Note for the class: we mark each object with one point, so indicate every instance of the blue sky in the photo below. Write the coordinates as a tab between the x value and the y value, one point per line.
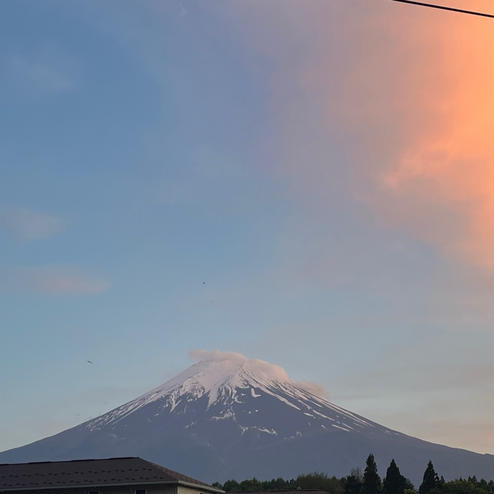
179	175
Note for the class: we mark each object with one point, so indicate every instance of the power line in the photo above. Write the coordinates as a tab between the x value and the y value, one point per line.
443	7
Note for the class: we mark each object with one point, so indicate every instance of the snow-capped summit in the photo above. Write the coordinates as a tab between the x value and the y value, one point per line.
221	373
228	416
218	376
225	385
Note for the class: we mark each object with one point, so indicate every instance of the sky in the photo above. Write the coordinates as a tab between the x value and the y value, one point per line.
305	183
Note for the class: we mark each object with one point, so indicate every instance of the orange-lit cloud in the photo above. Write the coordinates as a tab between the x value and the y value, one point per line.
439	181
424	106
410	89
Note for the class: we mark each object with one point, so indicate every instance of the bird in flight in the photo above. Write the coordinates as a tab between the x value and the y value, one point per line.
89	362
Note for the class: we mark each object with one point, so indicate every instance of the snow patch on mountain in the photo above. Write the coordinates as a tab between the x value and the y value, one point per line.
225	380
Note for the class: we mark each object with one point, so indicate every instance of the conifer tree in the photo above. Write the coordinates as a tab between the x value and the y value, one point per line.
394	482
353	483
372	481
430	481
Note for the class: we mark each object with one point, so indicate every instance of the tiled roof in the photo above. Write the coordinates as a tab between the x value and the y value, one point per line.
84	473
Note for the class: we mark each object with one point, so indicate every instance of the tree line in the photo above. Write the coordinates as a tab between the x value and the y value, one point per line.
367	483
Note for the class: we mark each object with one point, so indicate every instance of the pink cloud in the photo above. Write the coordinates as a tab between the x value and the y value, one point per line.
51	280
28	224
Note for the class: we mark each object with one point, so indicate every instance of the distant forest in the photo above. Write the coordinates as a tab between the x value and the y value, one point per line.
368	482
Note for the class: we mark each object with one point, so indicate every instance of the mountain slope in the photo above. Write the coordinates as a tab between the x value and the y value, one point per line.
231	417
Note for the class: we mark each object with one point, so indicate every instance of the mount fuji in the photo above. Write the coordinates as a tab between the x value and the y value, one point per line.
228	416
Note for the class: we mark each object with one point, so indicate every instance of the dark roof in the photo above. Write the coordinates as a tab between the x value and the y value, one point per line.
86	473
